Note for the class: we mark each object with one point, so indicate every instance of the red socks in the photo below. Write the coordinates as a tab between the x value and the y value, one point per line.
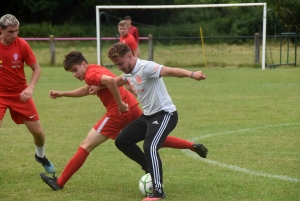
177	143
74	164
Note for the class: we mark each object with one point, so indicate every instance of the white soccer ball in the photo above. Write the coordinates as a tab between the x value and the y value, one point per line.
145	185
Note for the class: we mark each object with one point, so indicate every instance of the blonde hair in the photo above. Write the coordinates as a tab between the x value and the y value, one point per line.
118	50
8	20
123	23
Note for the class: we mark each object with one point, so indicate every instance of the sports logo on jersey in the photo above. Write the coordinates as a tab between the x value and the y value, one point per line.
155	68
15	56
138	79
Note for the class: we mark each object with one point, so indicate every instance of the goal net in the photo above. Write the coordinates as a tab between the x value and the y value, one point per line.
202	35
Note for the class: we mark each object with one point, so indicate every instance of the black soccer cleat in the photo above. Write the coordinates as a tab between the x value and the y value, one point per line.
200	149
52	182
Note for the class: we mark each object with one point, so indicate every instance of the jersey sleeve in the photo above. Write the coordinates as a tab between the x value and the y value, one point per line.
28	55
136	35
152	70
132	44
93	78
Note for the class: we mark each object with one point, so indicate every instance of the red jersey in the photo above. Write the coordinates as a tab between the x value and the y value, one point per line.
12	58
130	41
134	32
93	76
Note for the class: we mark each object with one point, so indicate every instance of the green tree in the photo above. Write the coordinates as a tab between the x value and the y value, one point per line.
288	12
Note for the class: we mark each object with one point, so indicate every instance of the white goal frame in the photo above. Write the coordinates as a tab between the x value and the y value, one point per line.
264	5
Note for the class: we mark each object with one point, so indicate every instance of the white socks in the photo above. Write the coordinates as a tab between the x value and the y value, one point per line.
40	151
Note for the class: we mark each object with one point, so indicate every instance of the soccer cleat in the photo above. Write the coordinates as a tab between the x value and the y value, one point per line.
52	182
49	167
200	149
155	196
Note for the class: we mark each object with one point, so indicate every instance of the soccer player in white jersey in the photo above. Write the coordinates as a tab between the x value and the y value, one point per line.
159	113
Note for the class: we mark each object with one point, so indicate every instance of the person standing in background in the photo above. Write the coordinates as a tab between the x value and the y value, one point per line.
127	38
132	29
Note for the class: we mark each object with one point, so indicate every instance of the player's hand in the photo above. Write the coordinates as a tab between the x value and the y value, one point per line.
55	94
198	75
123	107
94	89
26	94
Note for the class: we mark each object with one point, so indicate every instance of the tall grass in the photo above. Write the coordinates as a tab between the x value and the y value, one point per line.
248	118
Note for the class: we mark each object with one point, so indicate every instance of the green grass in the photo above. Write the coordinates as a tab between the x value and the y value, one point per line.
248	118
185	55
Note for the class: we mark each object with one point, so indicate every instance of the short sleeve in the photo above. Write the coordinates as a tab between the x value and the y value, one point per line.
152	70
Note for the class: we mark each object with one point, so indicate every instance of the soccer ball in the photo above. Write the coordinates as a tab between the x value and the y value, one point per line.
145	185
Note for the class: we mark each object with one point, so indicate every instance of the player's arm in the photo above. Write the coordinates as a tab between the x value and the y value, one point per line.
80	92
112	86
119	81
136	52
36	72
180	73
136	36
129	88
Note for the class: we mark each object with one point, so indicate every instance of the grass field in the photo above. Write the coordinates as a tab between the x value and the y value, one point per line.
248	118
185	55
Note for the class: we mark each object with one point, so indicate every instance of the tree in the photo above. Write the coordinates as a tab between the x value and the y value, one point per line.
288	13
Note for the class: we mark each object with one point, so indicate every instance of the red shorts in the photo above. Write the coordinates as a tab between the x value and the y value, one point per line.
112	123
19	111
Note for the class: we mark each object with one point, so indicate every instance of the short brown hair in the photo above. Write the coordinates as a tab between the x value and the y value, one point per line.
127	17
123	23
73	58
118	50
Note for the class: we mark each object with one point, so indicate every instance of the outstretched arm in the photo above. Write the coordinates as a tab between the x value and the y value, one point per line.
180	73
82	91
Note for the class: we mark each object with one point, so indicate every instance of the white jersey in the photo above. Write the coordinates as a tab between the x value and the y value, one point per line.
150	88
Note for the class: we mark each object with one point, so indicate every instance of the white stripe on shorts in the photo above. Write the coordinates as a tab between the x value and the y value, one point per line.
102	124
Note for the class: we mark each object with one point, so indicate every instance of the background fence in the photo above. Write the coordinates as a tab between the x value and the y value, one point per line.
218	51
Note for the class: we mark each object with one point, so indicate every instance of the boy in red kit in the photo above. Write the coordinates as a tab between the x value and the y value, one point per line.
15	94
127	38
116	100
132	29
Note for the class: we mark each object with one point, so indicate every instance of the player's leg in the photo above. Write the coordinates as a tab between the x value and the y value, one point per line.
35	128
3	108
156	135
92	140
127	139
26	113
107	127
178	143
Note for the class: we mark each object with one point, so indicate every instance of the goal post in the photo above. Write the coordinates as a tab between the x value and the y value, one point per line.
100	8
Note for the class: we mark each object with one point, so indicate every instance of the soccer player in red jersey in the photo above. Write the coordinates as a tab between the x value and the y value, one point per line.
116	100
15	93
132	29
127	38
